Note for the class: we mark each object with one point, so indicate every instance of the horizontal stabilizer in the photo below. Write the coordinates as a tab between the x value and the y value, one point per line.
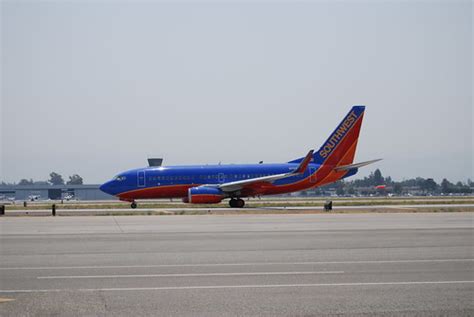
356	165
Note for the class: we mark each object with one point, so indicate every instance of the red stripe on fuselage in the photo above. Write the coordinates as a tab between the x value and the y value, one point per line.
166	191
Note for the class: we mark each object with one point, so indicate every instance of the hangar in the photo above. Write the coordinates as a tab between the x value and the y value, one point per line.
54	192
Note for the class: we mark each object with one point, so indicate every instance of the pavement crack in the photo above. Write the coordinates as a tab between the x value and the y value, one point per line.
103	300
118	225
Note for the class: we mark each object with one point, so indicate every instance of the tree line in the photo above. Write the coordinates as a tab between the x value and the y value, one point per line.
54	179
426	185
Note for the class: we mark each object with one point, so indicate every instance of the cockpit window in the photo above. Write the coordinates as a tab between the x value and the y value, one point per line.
119	178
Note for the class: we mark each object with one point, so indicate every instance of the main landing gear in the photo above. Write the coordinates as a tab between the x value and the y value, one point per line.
236	203
133	205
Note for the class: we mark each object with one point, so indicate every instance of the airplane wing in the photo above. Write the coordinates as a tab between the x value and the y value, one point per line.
357	165
237	185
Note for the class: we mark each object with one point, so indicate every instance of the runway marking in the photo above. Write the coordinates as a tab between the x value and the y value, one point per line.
187	275
168	288
233	264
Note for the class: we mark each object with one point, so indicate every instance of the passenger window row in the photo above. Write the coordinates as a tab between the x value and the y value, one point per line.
204	177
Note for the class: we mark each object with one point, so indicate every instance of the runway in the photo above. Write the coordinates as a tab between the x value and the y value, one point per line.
227	210
225	265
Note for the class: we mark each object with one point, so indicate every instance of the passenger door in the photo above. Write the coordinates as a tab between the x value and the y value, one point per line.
141	178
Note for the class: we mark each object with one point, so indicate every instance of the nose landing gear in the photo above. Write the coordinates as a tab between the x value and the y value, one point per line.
236	203
133	205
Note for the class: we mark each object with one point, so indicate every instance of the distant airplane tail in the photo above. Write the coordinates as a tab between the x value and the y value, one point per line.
340	147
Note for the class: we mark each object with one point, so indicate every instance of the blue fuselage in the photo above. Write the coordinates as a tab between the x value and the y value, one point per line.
174	181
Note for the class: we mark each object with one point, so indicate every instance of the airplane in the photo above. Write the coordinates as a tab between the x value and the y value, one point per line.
68	197
210	184
34	197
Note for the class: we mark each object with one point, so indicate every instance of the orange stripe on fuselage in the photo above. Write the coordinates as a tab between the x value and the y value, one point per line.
334	176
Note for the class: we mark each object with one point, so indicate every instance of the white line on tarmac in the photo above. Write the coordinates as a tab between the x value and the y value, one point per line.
186	275
233	264
166	288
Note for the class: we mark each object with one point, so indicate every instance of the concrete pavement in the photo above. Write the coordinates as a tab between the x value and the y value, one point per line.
260	265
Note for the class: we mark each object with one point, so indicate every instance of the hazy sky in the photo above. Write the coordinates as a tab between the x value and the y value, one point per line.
95	87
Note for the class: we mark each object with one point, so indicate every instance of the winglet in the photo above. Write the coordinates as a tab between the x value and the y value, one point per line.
304	163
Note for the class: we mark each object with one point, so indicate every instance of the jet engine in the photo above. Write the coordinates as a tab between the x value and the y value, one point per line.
204	195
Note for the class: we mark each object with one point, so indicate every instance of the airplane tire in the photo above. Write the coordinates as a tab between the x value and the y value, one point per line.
236	203
133	205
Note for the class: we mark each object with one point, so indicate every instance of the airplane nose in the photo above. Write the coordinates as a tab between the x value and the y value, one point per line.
105	187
